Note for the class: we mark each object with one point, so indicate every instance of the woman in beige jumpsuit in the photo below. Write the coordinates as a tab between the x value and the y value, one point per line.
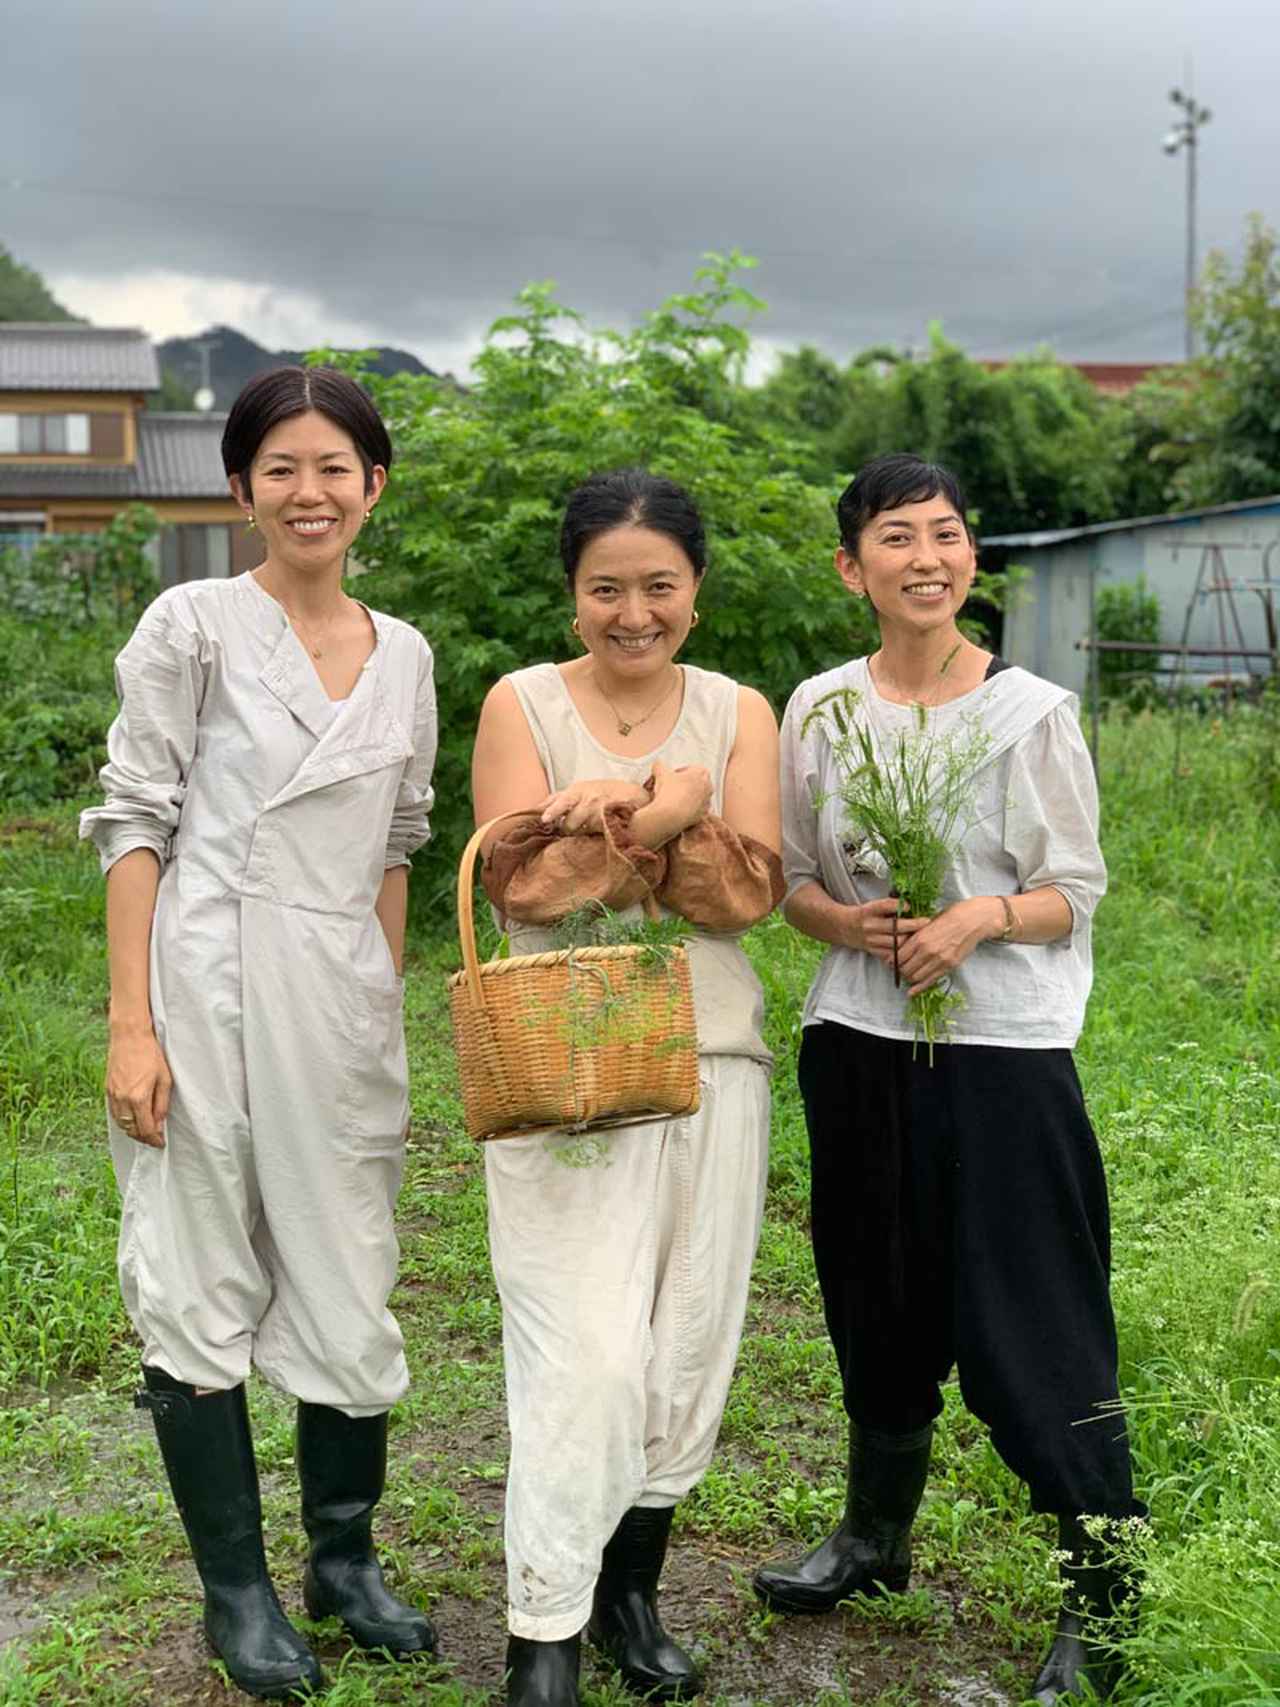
268	779
624	1281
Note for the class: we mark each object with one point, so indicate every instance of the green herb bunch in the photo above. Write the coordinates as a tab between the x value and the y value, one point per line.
911	798
593	925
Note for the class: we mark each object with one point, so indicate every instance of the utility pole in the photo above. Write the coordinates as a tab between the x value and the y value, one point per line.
1184	136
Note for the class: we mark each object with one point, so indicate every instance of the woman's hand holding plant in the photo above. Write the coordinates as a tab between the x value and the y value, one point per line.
929	950
869	927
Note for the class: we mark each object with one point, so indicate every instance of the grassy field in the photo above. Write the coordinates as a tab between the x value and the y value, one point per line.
1181	1062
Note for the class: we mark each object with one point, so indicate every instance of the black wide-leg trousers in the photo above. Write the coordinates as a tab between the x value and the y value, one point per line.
960	1218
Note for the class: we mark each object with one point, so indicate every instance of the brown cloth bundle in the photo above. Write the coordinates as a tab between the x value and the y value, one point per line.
709	874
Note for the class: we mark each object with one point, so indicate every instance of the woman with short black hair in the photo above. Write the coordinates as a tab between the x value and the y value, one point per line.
959	1202
268	779
623	1272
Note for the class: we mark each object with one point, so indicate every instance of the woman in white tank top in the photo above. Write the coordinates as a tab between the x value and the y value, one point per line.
624	1282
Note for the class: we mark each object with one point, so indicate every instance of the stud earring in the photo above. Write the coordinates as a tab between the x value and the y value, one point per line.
695	619
576	628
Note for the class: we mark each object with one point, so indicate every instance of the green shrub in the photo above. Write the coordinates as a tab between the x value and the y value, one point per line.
1127	610
56	702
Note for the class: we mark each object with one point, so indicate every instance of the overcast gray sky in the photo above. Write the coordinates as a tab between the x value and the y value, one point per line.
393	170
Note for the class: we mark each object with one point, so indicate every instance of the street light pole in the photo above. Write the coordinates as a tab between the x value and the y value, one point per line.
1184	136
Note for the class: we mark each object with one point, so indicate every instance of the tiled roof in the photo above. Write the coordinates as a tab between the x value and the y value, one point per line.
179	456
56	357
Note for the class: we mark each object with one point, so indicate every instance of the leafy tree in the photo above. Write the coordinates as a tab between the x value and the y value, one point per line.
1033	442
85	579
806	392
465	541
24	294
1127	610
1210	434
174	393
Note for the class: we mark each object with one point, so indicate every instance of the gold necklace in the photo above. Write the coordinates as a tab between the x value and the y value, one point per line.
926	702
299	627
625	727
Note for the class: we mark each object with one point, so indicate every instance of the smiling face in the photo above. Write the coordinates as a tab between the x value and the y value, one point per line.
307	492
915	562
633	594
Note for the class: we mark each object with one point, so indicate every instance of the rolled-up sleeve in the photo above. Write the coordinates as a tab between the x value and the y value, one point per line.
1051	816
160	681
800	788
410	821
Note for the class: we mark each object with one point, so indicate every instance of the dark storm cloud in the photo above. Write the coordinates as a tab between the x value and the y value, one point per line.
410	165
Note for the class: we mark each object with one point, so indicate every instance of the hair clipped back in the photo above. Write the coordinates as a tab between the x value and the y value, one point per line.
283	392
886	482
630	497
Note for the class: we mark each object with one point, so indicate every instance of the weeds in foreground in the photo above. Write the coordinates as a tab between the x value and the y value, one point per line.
1179	1062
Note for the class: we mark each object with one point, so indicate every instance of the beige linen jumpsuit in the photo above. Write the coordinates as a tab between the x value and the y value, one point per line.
623	1258
263	1231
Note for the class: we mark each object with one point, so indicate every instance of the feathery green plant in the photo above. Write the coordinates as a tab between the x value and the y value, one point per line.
911	797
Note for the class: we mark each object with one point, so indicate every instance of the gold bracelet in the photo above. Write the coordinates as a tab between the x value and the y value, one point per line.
1009	933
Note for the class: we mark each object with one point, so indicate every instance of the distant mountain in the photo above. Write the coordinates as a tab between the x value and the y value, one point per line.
233	359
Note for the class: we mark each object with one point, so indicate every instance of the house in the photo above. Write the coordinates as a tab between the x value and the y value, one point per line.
1112	379
1215	572
78	444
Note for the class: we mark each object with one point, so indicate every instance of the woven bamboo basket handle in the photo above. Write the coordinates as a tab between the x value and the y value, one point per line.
466	902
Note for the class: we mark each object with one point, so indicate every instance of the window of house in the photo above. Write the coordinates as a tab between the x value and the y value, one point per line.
21	531
193	551
44	435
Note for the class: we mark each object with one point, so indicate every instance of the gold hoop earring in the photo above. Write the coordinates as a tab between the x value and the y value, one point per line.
576	628
695	619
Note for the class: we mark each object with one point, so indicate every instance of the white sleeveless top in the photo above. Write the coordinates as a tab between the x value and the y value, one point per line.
727	996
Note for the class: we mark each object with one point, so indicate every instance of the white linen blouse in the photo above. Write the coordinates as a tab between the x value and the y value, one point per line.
1034	822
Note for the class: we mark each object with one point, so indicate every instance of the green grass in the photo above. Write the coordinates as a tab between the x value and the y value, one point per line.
1181	1063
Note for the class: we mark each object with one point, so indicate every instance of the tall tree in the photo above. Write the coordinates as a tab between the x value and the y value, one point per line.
1210	434
24	294
464	542
1033	442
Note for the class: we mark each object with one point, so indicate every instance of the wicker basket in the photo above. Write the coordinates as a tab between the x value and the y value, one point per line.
577	1038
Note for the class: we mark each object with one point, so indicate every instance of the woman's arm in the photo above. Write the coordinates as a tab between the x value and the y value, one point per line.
867	927
506	772
751	788
1050	835
392	908
724	872
935	947
138	1078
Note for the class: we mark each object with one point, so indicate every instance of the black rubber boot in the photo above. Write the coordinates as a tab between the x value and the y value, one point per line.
208	1453
624	1617
870	1551
543	1674
342	1468
1081	1663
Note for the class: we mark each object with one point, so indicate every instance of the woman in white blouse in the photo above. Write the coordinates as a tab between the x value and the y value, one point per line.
959	1205
268	779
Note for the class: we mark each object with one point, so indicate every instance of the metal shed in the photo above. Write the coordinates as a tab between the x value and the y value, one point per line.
1179	557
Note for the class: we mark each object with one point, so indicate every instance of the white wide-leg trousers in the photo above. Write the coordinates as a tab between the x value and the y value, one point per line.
622	1259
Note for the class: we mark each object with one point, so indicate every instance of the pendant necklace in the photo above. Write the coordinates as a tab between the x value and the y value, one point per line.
625	725
296	623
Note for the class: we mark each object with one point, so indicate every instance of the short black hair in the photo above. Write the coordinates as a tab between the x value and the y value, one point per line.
283	392
630	497
888	481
